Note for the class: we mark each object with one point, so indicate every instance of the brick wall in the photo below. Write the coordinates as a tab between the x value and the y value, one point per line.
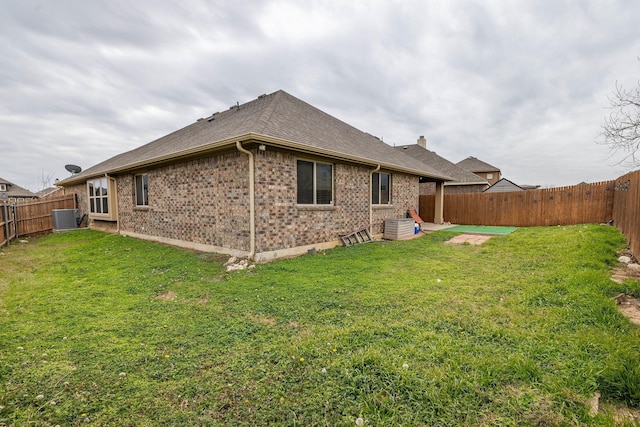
282	224
203	201
206	201
80	190
404	195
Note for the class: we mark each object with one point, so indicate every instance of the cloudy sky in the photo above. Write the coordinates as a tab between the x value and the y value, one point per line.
522	85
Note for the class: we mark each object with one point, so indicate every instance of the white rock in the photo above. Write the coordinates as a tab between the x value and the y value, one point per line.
235	267
593	404
231	260
634	266
624	259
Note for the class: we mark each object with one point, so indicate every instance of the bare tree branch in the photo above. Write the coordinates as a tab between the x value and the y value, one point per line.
621	129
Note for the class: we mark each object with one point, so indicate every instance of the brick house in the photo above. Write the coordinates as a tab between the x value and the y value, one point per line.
271	178
484	170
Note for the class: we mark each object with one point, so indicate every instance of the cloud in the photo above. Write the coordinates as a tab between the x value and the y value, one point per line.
521	85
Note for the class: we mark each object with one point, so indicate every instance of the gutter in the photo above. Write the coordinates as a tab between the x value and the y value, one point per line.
252	202
250	136
371	172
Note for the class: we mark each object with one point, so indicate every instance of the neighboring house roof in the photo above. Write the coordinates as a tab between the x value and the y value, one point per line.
460	175
503	185
529	186
15	191
475	165
278	119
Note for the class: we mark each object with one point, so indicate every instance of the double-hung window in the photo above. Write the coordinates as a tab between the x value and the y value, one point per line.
142	190
380	188
315	183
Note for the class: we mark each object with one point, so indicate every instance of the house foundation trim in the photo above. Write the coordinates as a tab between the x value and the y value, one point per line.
295	251
200	247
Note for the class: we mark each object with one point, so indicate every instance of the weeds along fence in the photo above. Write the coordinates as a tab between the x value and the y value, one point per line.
28	218
617	200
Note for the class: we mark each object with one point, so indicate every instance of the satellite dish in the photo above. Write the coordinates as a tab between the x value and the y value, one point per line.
73	169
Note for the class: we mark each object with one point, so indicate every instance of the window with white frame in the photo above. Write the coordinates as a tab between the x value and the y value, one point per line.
142	189
98	196
102	198
3	187
489	176
380	188
315	183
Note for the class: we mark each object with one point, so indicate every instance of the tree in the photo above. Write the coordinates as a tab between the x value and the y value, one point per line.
46	180
621	130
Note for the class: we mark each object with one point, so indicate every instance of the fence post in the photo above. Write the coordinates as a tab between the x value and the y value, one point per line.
6	223
15	220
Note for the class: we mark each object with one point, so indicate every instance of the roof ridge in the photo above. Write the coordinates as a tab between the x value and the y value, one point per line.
266	115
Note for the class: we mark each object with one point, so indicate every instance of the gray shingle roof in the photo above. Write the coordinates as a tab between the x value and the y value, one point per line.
475	165
276	119
16	191
460	175
503	185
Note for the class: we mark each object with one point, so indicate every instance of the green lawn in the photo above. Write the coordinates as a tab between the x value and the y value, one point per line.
102	329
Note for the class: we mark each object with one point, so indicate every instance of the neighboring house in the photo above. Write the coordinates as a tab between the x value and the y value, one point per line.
270	178
484	170
463	180
14	193
503	185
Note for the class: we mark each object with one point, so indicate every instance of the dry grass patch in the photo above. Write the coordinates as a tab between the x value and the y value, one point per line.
167	296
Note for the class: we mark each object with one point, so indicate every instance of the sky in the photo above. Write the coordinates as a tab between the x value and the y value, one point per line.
522	85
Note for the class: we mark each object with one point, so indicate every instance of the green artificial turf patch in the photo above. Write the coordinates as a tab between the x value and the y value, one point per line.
482	229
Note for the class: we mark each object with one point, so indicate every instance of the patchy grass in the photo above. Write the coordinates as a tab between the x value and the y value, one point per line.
109	330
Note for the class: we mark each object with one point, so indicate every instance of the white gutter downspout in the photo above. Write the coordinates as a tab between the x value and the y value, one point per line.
252	202
371	198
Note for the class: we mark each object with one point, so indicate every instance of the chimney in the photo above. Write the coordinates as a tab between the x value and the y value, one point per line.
422	142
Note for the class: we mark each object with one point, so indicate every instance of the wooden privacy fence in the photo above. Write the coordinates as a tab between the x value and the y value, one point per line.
578	204
7	224
626	209
28	218
617	200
